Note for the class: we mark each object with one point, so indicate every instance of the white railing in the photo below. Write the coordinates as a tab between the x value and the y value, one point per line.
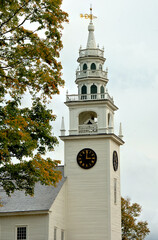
91	73
91	128
91	52
85	97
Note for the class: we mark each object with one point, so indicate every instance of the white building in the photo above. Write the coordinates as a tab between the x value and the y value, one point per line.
86	204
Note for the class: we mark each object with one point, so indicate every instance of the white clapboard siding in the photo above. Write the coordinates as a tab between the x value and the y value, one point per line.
91	213
57	214
37	226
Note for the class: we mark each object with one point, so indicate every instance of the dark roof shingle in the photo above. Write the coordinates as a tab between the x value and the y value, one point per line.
43	198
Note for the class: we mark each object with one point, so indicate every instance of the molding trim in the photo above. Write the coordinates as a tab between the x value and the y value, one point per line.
111	136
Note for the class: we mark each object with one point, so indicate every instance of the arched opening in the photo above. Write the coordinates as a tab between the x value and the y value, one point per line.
88	122
102	91
84	92
93	67
84	67
93	91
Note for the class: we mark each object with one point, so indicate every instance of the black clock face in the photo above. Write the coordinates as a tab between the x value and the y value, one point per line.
115	161
86	158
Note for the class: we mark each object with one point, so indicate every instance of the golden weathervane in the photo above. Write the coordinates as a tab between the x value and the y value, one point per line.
88	16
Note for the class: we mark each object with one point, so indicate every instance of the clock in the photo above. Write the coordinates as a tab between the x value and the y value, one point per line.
86	158
115	161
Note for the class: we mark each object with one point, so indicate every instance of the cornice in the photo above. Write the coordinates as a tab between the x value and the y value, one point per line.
111	136
91	57
91	102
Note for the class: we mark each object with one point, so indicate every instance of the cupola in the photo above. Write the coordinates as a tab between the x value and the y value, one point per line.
92	106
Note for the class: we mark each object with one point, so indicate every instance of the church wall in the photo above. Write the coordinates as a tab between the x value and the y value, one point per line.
57	215
88	191
115	207
37	226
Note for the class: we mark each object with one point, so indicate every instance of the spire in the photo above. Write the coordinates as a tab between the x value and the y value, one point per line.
91	39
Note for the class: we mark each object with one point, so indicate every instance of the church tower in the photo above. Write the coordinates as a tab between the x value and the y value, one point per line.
92	152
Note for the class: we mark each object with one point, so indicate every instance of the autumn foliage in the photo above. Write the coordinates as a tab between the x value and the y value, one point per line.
30	43
132	228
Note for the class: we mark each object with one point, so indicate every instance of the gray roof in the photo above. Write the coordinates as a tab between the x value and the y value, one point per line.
43	198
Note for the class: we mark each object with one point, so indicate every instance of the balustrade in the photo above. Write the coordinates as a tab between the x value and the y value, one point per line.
91	73
85	97
91	128
91	52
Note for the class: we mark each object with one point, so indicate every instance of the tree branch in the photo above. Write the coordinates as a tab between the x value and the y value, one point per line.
5	67
12	29
6	76
14	39
18	10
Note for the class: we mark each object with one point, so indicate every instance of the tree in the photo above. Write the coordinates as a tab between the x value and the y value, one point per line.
131	227
30	42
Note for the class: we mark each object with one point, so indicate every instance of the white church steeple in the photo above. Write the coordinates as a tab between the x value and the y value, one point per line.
93	104
92	151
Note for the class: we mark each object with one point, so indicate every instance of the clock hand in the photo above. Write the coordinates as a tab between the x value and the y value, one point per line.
87	155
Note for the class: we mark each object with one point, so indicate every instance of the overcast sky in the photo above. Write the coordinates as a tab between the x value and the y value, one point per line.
128	30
